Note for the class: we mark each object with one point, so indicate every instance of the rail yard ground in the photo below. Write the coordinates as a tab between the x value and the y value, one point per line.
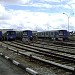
7	68
38	66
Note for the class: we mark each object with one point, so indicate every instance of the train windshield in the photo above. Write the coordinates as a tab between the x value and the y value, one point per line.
24	33
11	33
61	32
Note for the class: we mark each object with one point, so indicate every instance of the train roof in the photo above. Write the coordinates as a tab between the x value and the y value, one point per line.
11	31
52	30
27	30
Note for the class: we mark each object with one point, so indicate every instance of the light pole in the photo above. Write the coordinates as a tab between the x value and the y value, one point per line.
68	20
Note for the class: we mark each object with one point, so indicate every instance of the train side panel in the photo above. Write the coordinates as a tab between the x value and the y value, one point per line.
19	35
0	35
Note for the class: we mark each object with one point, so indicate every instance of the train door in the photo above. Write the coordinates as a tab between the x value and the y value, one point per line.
61	35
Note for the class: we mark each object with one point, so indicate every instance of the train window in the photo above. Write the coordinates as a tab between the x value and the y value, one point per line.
24	33
42	33
51	33
56	33
39	34
46	33
11	33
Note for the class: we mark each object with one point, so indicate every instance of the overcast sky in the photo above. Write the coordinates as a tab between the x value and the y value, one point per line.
37	15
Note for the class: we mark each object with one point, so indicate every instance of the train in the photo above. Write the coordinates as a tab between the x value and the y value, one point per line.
29	35
9	35
25	36
53	35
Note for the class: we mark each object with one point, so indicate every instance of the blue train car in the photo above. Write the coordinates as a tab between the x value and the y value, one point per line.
27	36
0	35
9	35
63	35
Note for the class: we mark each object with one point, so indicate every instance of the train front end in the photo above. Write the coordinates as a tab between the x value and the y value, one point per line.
63	35
11	35
27	36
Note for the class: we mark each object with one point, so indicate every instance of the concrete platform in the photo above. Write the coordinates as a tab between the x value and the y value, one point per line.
8	68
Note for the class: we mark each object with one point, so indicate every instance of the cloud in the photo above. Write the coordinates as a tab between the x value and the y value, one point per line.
22	20
2	9
4	15
26	19
14	1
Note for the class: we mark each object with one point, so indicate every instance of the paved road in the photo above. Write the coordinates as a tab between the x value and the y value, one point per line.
8	68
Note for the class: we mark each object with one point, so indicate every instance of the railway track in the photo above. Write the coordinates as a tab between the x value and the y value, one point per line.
63	48
66	64
53	48
71	44
64	43
47	52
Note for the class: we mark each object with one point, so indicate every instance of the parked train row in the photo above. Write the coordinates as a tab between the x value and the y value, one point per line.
13	35
28	35
54	35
